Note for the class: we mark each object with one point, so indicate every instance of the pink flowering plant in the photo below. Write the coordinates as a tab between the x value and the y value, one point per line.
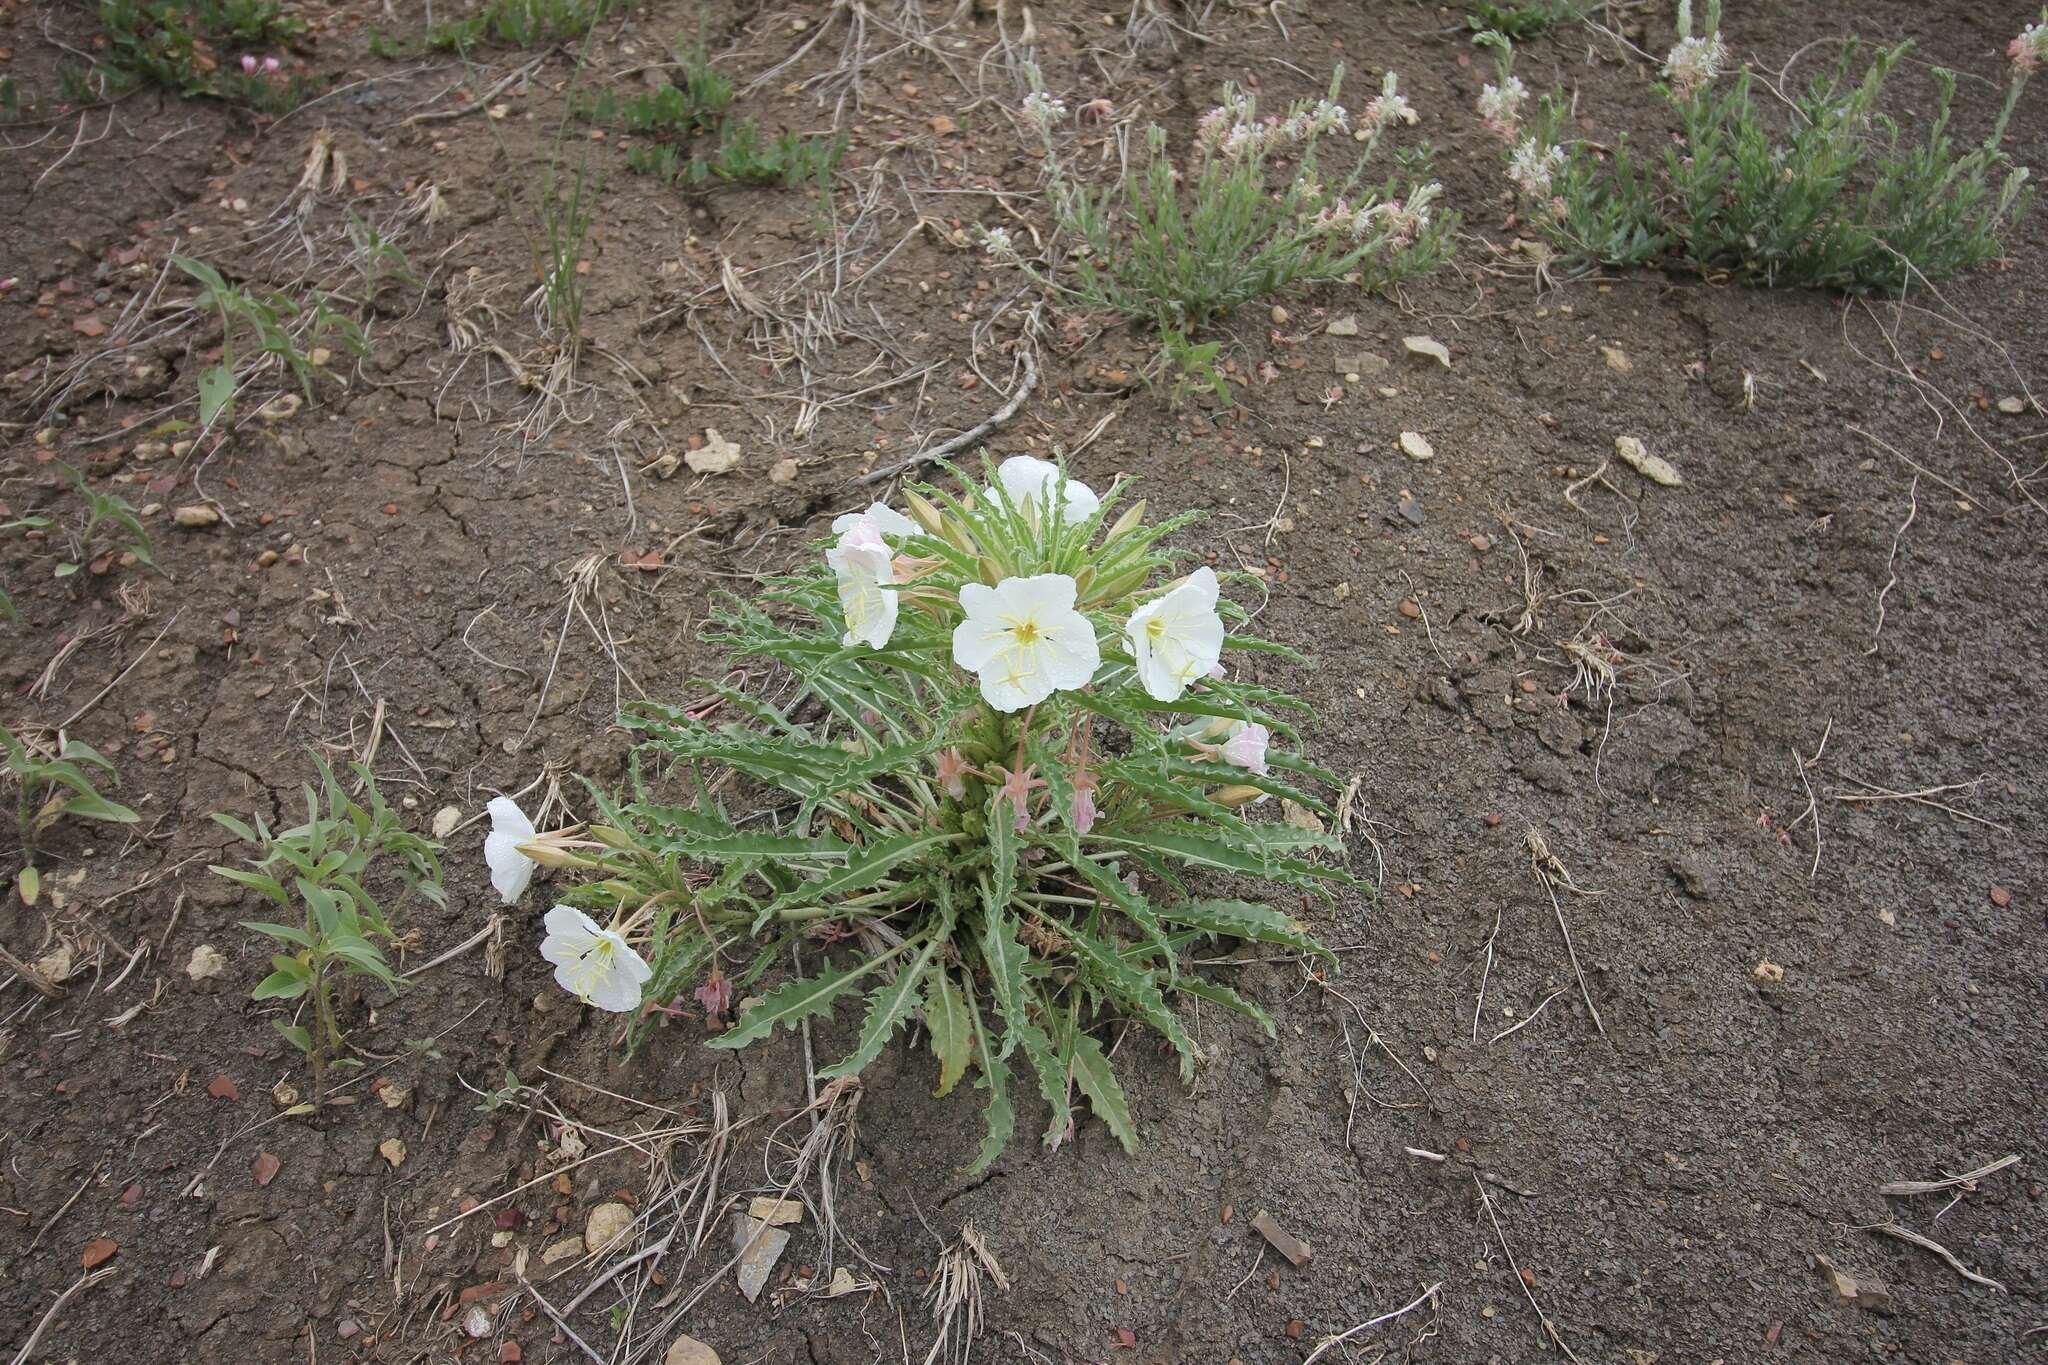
1258	203
999	770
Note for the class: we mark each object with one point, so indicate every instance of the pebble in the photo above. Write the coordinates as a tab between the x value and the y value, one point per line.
1416	447
2012	406
606	1225
1279	316
757	1253
566	1248
1428	348
1655	468
690	1351
1617	359
1346	326
205	962
196	516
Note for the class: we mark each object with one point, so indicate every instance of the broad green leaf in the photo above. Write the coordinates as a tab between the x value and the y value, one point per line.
1093	1074
284	932
236	828
1216	993
791	1003
216	393
296	1036
1005	959
28	884
945	1018
255	881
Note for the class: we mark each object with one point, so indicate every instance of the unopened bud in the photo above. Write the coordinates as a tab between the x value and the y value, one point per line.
925	514
1235	796
1131	517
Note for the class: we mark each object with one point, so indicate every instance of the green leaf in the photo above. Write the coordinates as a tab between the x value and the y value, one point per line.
216	393
858	875
1135	989
890	1004
1005	958
1246	920
1051	1071
1223	995
1093	1074
792	1002
95	807
999	1114
945	1018
291	979
283	932
294	1035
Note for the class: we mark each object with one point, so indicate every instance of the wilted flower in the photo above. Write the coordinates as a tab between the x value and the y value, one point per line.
1178	637
2029	51
1245	746
1024	640
1532	166
1016	789
715	995
1500	107
511	870
1386	108
1694	62
1044	110
953	769
863	564
595	965
1406	218
1081	815
1026	478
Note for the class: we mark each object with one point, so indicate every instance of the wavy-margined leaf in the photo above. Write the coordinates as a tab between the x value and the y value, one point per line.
860	872
793	1002
706	843
998	1113
854	770
1097	1080
1005	958
1134	989
1051	1070
1167	773
1253	855
952	1033
891	1003
1246	920
1130	708
1219	994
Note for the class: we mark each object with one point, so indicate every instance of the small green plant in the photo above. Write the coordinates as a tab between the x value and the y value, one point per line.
1181	247
181	44
1834	197
378	260
103	512
283	332
695	100
1021	802
1524	21
323	870
48	788
1190	367
562	213
522	23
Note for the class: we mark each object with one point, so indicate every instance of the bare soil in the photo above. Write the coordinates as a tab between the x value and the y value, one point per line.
1679	692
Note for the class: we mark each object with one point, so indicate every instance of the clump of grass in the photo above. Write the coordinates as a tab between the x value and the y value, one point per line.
522	23
183	46
1245	217
1834	196
1519	23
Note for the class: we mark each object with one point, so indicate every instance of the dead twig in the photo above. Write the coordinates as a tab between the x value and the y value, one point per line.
1328	1344
1545	865
973	433
1906	1234
1891	562
1527	1293
78	1286
1966	1181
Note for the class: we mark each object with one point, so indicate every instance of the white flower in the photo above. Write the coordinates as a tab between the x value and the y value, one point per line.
1044	110
1245	745
595	965
863	563
511	870
1177	638
1531	167
1387	108
996	242
887	520
1027	478
1024	640
2030	50
1694	62
1328	117
1500	106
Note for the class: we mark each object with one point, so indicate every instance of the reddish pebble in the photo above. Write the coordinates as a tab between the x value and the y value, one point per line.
1529	1278
98	1251
510	1352
2001	897
1771	1337
1126	1339
1492	818
1295	1327
1121	1287
390	509
223	1088
1528	684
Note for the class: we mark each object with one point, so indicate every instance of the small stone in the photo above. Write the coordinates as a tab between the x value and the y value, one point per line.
1655	468
1428	348
1768	970
760	1247
782	471
1480	544
445	821
197	515
392	1150
1279	316
1346	326
776	1212
717	456
1410	608
1416	447
2001	897
1411	510
205	962
565	1249
2012	406
281	408
1617	359
347	1328
476	1323
690	1351
606	1225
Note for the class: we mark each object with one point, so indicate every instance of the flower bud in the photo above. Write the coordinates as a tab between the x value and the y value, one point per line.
1235	796
1131	517
925	514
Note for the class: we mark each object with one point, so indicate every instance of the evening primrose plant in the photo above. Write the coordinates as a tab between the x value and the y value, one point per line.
1018	785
